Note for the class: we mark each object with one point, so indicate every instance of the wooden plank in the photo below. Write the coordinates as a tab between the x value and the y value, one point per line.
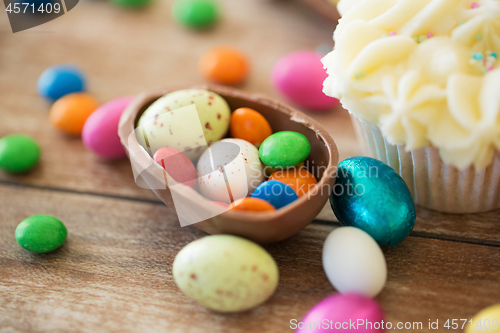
114	273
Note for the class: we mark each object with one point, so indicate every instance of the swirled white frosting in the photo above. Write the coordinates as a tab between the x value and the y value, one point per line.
424	71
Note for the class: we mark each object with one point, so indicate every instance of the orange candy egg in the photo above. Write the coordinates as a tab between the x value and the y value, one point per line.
299	179
252	204
249	125
224	65
69	113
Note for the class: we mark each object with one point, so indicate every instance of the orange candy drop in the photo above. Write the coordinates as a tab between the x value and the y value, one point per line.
224	65
69	113
249	125
299	179
252	204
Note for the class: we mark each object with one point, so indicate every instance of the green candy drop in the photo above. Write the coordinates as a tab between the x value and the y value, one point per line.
198	14
284	149
41	233
18	153
131	3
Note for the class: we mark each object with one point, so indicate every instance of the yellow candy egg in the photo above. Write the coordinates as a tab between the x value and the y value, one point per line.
486	321
226	273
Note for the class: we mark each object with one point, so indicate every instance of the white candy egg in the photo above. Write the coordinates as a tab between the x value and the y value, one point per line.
230	167
354	262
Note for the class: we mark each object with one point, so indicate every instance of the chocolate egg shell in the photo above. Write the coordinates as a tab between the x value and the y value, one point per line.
267	226
370	195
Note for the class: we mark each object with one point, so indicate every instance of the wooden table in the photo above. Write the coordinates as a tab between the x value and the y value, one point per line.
113	274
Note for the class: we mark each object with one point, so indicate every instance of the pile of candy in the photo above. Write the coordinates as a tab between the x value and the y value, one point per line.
253	153
76	112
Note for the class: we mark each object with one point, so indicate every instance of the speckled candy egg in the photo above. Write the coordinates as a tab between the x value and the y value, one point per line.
486	321
226	273
338	312
370	195
164	127
235	161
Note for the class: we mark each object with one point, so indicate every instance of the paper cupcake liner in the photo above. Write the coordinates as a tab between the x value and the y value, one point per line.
432	183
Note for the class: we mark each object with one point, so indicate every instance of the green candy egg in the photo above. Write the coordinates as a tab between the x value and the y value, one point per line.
198	14
131	3
41	233
284	149
226	273
18	153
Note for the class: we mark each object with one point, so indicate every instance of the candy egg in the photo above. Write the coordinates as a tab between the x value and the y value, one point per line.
486	321
252	204
249	125
18	153
166	127
177	165
299	77
224	65
339	312
100	132
284	149
276	193
41	233
69	113
198	14
370	195
57	81
299	179
353	262
232	163
226	273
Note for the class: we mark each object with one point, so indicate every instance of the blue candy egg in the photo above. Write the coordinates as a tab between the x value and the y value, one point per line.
276	193
57	81
370	195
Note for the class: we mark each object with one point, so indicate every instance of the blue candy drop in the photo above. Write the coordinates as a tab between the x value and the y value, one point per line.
57	81
276	193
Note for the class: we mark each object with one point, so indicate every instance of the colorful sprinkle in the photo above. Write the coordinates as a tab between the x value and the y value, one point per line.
415	39
479	37
393	33
474	5
484	62
421	39
360	75
460	22
430	35
477	56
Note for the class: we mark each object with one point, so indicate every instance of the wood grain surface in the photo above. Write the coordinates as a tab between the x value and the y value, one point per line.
113	274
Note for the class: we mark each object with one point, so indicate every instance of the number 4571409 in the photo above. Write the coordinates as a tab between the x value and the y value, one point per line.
481	323
48	8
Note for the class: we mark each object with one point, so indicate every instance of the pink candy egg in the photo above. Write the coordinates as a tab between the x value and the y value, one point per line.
100	132
299	77
177	165
346	312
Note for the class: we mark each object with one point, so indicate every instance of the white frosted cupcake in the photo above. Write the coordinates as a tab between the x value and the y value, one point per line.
422	81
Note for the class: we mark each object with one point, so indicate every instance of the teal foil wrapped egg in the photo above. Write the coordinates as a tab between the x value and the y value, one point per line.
370	195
